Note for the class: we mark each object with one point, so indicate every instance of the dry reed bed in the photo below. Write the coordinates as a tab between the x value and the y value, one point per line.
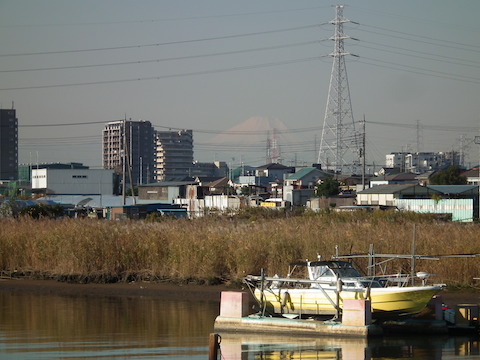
215	248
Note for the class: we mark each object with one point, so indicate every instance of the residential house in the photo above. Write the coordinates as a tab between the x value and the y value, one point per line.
473	176
397	179
299	187
164	192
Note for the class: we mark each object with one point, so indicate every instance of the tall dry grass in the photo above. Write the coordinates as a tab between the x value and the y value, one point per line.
213	249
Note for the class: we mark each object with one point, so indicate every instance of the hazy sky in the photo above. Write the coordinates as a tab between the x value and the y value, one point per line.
210	65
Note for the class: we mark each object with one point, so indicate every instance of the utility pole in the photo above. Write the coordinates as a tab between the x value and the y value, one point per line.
339	140
477	141
363	154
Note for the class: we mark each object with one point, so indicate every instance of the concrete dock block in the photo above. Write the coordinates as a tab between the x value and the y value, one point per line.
234	304
356	313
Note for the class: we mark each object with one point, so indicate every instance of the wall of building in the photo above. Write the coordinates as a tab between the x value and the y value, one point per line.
375	199
460	209
73	181
161	194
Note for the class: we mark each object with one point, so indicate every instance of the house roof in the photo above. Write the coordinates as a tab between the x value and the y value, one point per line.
454	189
470	173
304	172
414	189
387	189
169	183
219	182
273	166
207	180
396	177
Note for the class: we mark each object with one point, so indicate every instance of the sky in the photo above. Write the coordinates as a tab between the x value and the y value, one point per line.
68	67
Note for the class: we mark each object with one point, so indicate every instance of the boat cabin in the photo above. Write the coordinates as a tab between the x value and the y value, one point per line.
329	272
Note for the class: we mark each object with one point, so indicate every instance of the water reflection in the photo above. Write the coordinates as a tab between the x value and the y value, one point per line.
244	347
48	326
34	326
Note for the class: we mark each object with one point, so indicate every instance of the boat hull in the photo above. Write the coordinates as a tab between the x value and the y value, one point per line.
311	301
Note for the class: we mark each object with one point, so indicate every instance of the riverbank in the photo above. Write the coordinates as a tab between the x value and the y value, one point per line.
214	249
131	289
169	290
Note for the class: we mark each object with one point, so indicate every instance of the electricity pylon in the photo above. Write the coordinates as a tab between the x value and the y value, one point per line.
339	145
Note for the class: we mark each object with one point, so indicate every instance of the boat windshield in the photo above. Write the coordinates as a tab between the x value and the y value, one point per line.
338	270
317	272
346	272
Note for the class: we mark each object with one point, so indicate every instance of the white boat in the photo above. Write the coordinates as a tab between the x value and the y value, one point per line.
329	283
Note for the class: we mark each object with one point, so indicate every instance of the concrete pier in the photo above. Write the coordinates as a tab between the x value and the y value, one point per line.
292	327
233	318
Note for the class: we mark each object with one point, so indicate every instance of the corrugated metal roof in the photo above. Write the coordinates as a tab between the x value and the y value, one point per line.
454	189
387	189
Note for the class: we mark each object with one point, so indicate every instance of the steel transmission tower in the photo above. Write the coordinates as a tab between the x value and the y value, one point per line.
339	145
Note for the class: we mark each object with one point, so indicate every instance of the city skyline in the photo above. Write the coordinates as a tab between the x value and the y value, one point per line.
71	67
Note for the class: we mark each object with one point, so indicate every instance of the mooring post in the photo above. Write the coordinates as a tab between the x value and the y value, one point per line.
262	289
213	346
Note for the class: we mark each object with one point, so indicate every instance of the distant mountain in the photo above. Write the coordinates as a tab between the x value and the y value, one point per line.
255	130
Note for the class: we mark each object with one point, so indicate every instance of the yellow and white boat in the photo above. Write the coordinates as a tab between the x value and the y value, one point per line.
329	283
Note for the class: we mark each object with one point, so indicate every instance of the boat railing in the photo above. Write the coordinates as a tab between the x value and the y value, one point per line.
279	282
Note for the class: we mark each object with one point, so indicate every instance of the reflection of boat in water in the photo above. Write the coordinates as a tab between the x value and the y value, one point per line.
242	346
329	283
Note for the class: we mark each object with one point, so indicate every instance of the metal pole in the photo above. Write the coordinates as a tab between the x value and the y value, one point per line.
262	275
412	264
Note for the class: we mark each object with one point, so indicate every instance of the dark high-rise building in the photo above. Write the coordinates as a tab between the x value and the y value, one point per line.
137	139
8	144
174	151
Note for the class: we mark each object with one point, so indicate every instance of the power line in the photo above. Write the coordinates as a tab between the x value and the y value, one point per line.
164	59
454	44
67	124
164	43
435	57
165	19
455	128
161	77
422	71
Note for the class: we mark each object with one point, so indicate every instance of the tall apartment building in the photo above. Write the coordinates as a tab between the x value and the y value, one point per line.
134	142
8	144
174	154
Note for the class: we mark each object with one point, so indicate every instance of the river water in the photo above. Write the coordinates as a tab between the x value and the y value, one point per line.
49	326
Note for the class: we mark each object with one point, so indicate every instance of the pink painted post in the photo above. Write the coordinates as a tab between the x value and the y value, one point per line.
234	304
356	312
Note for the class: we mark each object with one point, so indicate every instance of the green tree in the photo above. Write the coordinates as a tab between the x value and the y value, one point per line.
327	187
451	176
245	190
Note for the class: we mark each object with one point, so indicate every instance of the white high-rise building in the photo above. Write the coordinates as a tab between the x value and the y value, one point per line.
131	143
